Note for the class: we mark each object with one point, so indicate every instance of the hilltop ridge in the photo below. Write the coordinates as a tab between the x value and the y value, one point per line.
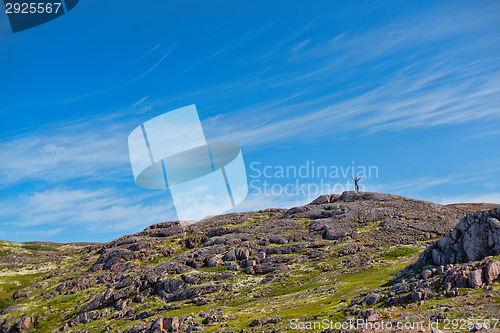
349	255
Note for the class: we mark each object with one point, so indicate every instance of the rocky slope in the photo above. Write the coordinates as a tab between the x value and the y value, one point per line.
339	258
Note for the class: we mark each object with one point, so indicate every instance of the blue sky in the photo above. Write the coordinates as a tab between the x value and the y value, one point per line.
410	87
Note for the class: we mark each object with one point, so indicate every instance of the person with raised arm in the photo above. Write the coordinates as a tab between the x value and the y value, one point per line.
356	180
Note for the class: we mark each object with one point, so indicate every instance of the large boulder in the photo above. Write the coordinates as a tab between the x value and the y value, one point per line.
475	237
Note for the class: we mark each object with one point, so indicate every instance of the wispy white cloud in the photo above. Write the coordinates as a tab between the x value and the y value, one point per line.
140	101
167	51
232	45
106	209
495	132
429	87
482	177
285	42
300	46
471	198
87	149
74	177
415	185
148	71
29	234
150	51
378	110
314	97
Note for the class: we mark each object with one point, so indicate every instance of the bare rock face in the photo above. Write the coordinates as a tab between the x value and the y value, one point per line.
475	278
475	237
164	229
491	271
351	196
326	198
369	315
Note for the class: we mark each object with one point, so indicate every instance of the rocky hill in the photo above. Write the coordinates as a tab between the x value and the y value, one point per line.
337	259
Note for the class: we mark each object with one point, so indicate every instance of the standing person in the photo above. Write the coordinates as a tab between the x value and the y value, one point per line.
356	180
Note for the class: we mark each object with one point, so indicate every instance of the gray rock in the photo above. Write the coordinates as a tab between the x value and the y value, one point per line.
316	214
473	238
445	242
256	322
233	267
369	315
122	305
427	273
324	199
214	262
492	271
261	255
278	240
157	326
242	253
25	323
494	222
230	255
371	299
193	328
171	324
250	263
475	279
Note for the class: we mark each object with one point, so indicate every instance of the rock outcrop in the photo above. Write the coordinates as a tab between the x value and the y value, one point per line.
463	258
475	237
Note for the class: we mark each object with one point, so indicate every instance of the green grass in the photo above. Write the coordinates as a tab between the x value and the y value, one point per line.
284	290
4	252
399	252
220	268
17	282
13	284
495	257
5	301
63	299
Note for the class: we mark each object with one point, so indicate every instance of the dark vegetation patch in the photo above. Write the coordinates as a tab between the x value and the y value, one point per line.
38	247
399	252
